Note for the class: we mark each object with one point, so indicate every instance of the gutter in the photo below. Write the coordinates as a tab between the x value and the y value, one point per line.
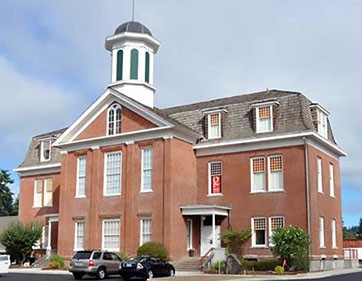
306	157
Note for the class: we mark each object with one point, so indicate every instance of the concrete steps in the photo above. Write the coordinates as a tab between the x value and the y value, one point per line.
188	264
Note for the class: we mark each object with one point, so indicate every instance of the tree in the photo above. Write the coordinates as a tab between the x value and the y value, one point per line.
6	196
19	238
291	244
15	209
235	241
359	230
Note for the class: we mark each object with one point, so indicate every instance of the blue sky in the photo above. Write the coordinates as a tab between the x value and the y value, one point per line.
53	63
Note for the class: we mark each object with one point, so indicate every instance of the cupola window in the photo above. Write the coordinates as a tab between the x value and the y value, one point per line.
114	119
147	67
134	64
119	65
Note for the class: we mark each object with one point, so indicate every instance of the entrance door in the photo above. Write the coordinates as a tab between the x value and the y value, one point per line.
206	236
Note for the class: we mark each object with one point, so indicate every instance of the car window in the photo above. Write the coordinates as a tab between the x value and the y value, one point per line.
96	255
3	258
115	257
82	255
107	256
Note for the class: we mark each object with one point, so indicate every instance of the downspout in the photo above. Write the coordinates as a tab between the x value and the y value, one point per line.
306	156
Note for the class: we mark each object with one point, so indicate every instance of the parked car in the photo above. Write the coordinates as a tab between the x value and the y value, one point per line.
4	264
145	267
96	263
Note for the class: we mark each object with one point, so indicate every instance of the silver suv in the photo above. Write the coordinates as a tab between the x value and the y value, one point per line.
96	263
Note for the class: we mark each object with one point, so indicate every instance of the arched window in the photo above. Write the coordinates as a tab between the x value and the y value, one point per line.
114	119
119	65
134	64
147	69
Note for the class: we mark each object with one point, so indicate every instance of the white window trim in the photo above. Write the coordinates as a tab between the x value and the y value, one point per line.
75	235
209	125
111	249
141	229
322	242
269	174
210	194
322	121
270	227
45	183
320	175
258	119
77	183
113	108
253	234
334	234
105	175
252	176
142	179
35	193
42	159
189	246
331	180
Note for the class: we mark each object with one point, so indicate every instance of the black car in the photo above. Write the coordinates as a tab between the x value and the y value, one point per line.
145	267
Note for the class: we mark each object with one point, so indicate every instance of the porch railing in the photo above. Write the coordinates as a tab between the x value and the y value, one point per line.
206	259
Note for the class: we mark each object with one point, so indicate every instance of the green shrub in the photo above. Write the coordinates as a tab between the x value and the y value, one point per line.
235	241
56	261
123	256
279	270
264	265
219	266
153	249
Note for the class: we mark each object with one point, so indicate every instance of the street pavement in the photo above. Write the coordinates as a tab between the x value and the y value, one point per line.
53	275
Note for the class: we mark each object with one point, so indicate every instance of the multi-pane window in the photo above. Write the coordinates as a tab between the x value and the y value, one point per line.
258	232
334	234
79	235
38	193
321	232
275	173
215	174
111	235
114	119
113	172
214	125
146	181
331	180
274	223
319	175
81	176
48	192
258	174
264	119
45	150
146	230
322	121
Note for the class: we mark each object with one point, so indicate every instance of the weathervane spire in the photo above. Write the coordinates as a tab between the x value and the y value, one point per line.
133	8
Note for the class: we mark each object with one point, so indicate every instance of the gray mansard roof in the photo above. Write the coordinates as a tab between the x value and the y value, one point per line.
294	115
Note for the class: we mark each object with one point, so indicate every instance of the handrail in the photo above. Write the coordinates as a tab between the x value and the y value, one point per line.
205	256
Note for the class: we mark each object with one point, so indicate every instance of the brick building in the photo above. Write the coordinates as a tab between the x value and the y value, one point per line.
126	172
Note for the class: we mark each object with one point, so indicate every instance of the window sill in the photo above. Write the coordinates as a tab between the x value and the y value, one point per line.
112	195
146	191
335	248
321	192
47	206
80	197
215	195
322	247
333	196
37	207
259	247
267	191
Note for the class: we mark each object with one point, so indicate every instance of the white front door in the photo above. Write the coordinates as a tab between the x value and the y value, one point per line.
206	238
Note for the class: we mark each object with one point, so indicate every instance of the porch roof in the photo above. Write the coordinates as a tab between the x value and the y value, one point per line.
199	210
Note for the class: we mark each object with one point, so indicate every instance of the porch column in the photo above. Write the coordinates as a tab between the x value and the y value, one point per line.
213	231
49	247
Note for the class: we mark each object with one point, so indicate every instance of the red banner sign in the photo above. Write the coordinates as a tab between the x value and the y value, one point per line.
216	184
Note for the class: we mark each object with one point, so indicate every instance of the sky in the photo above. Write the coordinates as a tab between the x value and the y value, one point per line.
53	63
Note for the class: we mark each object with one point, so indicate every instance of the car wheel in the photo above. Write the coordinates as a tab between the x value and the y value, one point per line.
101	273
77	275
150	274
172	272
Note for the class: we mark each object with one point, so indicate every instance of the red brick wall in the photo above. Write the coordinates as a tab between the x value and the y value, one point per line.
352	244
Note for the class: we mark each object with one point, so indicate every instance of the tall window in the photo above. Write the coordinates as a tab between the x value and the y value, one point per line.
119	65
215	175
111	236
274	223
146	230
322	121
214	126
189	234
334	234
48	192
134	64
79	235
319	175
331	180
81	176
146	181
45	150
321	233
114	119
264	119
258	238
113	172
38	194
276	181
147	69
258	174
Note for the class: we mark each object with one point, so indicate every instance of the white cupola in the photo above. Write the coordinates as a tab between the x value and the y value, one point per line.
133	48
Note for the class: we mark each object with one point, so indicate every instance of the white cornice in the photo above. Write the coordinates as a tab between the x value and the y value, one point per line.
39	170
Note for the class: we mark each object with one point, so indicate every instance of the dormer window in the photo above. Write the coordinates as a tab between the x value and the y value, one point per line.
45	150
114	119
214	125
264	116
320	119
